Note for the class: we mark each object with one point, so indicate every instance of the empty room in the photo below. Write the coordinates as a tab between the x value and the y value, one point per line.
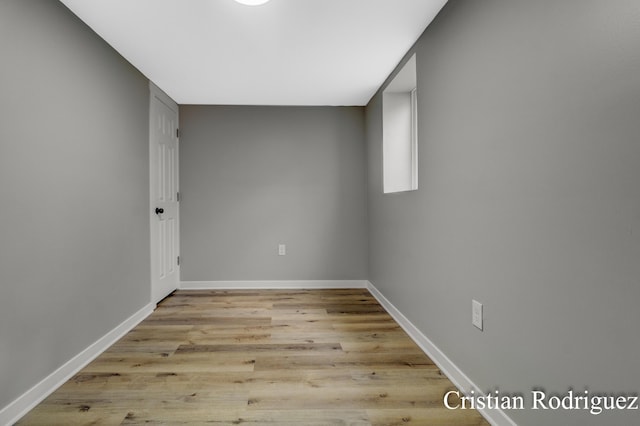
320	212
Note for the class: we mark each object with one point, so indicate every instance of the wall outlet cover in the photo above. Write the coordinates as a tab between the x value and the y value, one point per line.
476	314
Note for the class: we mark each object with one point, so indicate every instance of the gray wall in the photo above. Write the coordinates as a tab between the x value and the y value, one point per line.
253	177
528	200
74	228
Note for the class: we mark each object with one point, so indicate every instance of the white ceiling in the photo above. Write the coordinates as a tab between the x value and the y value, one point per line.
286	52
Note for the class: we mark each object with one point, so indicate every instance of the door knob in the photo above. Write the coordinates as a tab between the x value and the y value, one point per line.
159	210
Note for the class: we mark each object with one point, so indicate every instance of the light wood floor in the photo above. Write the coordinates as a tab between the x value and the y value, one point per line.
314	357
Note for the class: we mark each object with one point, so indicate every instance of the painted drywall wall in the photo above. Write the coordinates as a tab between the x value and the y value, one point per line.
254	177
74	227
528	199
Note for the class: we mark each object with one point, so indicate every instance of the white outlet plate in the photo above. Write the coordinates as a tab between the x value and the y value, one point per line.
476	314
282	250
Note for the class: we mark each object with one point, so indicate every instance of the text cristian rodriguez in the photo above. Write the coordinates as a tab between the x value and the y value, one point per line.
541	401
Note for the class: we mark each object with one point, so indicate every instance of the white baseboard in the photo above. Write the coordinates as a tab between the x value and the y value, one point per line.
271	285
27	401
494	416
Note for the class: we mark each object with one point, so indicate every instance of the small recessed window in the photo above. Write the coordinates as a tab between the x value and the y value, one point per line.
400	131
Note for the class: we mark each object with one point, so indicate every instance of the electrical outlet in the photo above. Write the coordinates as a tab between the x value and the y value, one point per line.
476	314
282	250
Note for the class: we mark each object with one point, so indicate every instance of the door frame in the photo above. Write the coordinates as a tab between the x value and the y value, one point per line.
156	93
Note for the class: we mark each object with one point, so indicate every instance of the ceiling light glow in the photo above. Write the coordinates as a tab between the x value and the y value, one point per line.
252	2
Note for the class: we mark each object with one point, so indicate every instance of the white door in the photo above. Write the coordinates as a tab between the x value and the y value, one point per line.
163	155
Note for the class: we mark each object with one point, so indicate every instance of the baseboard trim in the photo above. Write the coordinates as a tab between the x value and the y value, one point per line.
272	285
494	416
27	401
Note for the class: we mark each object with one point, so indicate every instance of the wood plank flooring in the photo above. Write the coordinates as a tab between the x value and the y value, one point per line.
309	357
